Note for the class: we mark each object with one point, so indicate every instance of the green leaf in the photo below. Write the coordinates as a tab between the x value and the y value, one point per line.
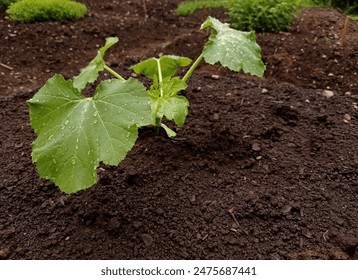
170	105
234	49
169	64
74	133
169	132
90	73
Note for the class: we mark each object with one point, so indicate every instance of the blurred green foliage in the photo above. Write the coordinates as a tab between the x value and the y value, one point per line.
262	15
26	11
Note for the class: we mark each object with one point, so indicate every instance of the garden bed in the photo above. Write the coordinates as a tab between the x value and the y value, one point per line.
264	168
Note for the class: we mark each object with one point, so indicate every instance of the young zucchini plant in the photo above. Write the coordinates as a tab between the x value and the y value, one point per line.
76	133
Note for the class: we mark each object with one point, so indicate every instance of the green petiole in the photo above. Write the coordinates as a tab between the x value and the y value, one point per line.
158	121
114	73
160	77
193	67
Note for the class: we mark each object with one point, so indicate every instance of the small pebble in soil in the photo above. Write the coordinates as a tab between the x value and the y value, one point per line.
286	209
4	253
147	239
137	224
347	118
215	77
307	233
264	90
327	93
256	147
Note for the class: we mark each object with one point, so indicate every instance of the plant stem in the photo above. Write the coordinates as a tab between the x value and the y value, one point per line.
158	121
114	73
160	76
193	67
158	124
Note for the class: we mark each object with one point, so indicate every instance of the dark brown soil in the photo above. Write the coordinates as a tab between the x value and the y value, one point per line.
262	169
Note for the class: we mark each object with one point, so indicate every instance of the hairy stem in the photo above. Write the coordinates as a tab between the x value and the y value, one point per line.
193	67
114	73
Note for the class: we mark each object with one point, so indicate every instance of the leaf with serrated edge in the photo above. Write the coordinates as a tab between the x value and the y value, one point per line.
170	105
74	133
90	73
234	49
169	64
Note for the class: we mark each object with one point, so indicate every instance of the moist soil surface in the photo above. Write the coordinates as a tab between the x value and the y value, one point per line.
264	168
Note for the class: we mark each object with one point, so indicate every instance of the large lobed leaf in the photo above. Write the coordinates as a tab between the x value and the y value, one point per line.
74	133
234	49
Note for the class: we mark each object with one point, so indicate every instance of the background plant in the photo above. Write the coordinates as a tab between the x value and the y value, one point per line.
348	6
189	7
262	15
27	11
6	3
